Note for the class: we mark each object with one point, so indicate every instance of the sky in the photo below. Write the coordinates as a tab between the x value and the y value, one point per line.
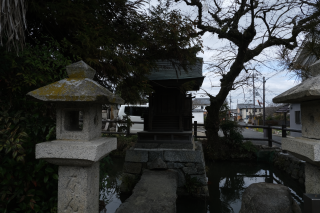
277	81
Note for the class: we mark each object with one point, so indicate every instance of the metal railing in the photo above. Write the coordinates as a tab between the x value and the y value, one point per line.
269	132
127	132
195	130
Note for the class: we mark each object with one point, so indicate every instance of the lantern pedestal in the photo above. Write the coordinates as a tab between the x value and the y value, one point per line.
78	189
78	185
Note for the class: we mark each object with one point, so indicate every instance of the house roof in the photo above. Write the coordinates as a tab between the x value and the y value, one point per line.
283	108
202	101
249	106
197	110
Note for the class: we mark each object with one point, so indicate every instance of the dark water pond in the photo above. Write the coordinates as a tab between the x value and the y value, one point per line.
226	181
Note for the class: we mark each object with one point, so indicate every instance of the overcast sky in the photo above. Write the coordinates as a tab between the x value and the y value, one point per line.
277	81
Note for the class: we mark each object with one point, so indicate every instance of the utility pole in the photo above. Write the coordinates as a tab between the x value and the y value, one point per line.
264	107
230	100
254	98
264	102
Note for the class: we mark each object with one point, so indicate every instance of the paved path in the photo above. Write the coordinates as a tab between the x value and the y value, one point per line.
154	193
248	133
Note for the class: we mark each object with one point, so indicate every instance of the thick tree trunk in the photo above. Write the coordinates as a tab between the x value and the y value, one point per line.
212	121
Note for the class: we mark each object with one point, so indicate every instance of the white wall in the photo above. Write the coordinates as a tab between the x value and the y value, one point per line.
247	114
293	125
198	116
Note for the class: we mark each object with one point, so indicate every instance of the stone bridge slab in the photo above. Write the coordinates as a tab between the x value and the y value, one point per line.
155	192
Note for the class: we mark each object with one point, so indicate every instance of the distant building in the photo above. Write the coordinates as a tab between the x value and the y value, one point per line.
246	110
200	103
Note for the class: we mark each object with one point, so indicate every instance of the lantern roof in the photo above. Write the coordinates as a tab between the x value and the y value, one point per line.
79	87
308	90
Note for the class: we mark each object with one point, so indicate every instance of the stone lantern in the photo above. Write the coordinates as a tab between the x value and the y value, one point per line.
78	146
307	147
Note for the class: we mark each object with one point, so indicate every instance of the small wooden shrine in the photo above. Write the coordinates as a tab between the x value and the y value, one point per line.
168	122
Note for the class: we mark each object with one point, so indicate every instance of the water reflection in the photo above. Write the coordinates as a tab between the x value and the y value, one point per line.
228	180
110	193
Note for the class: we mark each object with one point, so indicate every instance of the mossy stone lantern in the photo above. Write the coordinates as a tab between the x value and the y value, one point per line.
307	147
79	145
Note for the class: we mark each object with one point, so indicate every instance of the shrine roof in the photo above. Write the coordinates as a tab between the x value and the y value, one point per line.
166	71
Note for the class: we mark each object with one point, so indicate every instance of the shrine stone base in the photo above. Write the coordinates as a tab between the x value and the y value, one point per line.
188	163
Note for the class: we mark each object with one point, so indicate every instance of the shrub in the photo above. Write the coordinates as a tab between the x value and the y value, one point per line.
248	146
231	146
27	184
232	132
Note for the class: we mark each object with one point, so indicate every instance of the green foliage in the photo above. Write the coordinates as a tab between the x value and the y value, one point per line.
232	132
27	184
231	146
121	42
192	184
12	137
248	146
224	110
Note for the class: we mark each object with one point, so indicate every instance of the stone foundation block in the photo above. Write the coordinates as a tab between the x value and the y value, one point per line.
78	189
190	170
189	164
154	155
157	163
181	178
134	168
172	165
201	178
312	180
136	156
184	156
200	166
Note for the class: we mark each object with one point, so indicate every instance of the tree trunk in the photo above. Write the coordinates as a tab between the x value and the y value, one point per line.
212	121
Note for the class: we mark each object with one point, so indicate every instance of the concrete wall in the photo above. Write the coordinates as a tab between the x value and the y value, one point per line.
198	116
293	125
201	107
